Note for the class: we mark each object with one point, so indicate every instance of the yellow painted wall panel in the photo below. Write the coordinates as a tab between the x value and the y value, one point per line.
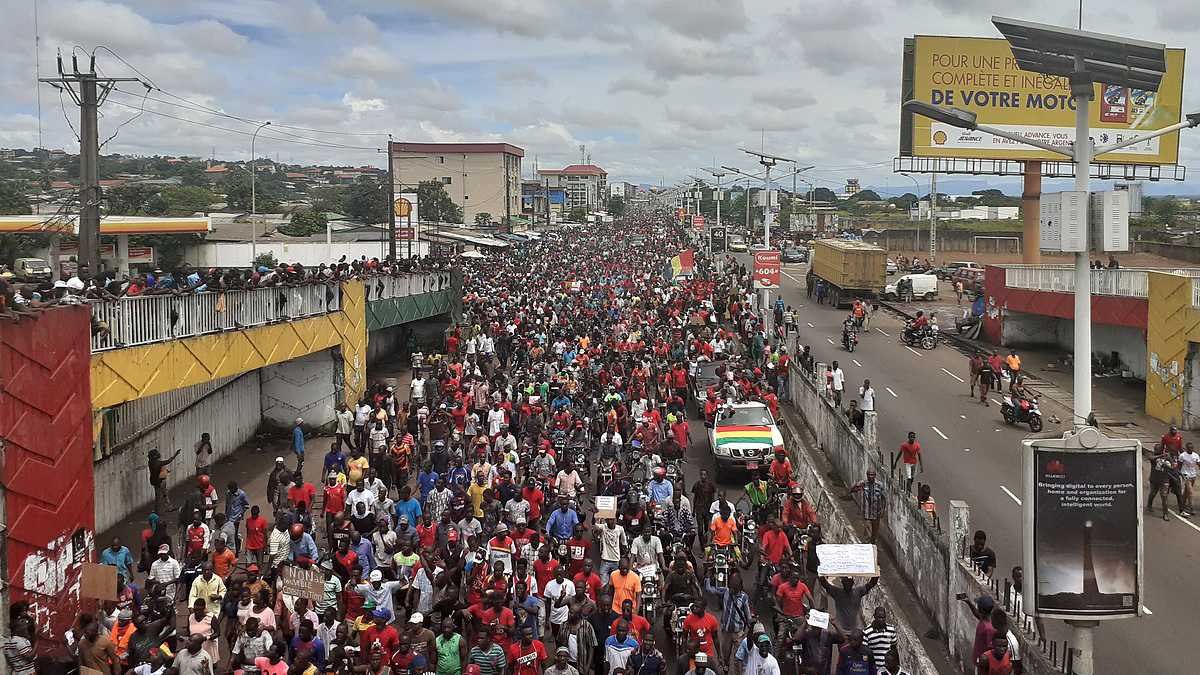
128	374
1172	324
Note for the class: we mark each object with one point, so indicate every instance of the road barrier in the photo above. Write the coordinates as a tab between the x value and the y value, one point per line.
924	552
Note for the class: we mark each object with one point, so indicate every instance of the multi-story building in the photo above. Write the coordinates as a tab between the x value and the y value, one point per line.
623	190
586	184
479	177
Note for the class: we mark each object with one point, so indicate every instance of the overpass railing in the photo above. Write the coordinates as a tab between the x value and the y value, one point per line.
1124	282
146	319
386	287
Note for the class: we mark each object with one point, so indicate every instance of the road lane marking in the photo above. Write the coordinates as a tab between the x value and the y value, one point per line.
889	390
997	402
855	362
1147	610
1010	494
884	332
953	375
963	416
791	277
939	433
829	340
1185	521
811	326
913	351
966	449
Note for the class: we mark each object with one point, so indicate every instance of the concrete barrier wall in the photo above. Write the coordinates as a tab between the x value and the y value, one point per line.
923	551
1181	252
230	414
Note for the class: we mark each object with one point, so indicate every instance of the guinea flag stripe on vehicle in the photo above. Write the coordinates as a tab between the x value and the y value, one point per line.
744	435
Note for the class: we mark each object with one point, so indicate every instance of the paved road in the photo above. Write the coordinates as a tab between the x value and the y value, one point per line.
970	454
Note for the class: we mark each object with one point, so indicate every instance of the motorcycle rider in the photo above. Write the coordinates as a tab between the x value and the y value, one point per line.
659	489
917	325
758	492
848	330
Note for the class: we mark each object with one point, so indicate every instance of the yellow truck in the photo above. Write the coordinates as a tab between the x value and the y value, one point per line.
848	270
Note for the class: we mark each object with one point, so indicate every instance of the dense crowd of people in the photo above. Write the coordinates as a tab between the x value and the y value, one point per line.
523	508
84	285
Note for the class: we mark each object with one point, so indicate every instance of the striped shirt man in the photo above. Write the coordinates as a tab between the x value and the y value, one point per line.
879	641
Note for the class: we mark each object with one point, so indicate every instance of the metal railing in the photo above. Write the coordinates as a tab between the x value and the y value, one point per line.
1195	292
147	319
1122	282
383	288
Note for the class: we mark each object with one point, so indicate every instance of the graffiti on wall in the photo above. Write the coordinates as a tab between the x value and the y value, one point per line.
51	579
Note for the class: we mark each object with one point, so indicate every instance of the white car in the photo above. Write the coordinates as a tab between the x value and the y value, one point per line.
737	245
924	286
744	436
892	267
759	247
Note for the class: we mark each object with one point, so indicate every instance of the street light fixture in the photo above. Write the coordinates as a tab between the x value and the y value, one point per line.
254	196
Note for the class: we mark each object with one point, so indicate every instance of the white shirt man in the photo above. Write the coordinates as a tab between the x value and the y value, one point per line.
495	419
867	392
838	379
418	388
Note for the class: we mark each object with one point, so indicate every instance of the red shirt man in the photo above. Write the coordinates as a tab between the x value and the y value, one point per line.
781	469
638	626
305	492
701	629
543	572
534	495
256	533
527	659
385	639
1172	441
791	595
577	547
591	581
335	498
774	545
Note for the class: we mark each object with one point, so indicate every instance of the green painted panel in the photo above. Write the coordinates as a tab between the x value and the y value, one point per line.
395	311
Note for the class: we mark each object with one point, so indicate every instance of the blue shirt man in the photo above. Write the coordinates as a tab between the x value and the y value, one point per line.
335	460
119	557
298	438
408	508
562	522
660	490
426	482
366	554
236	504
305	547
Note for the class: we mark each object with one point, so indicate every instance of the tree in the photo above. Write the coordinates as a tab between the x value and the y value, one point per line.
304	223
129	200
328	200
187	200
578	215
1165	208
866	196
265	260
615	206
366	201
13	201
824	194
483	219
436	205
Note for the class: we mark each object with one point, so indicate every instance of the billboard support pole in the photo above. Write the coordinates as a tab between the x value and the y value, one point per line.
1081	92
1031	197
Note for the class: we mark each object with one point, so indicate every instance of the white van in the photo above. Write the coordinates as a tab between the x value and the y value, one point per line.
923	286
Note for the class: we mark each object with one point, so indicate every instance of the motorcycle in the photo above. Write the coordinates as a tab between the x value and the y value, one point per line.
924	337
674	469
748	532
580	460
720	562
1013	413
650	597
608	471
849	339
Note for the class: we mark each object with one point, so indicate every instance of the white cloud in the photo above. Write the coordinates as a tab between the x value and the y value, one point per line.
361	105
371	61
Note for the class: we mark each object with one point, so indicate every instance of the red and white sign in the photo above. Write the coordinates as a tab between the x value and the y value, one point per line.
766	269
138	255
698	222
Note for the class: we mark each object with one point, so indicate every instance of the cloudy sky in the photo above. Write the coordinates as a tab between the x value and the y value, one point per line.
654	89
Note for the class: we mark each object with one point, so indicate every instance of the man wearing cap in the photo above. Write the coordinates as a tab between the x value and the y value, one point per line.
165	571
380	636
298	443
501	547
760	660
273	481
981	608
562	664
381	592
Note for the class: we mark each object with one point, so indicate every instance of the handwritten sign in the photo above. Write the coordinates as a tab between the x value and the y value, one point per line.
818	619
606	507
98	581
847	560
303	583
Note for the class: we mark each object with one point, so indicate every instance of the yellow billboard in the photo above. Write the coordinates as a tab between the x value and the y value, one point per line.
981	75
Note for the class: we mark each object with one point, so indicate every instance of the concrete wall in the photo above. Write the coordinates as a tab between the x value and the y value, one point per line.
1027	330
1181	252
306	387
230	414
1171	326
924	553
949	240
1129	343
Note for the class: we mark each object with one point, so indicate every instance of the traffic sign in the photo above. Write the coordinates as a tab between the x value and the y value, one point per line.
717	241
766	269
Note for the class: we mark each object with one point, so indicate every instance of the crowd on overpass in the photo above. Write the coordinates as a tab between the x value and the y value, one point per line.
24	298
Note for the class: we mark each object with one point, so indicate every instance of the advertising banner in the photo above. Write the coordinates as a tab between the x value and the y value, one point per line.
980	75
680	213
408	215
1083	527
138	255
766	269
698	223
717	239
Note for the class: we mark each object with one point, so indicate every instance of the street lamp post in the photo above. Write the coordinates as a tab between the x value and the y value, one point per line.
254	196
917	230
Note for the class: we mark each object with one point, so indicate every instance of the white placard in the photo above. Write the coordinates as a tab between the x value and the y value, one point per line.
818	619
847	560
606	507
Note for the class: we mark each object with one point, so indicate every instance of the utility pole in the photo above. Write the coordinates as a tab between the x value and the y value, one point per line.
932	217
768	161
254	197
392	209
718	174
89	92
